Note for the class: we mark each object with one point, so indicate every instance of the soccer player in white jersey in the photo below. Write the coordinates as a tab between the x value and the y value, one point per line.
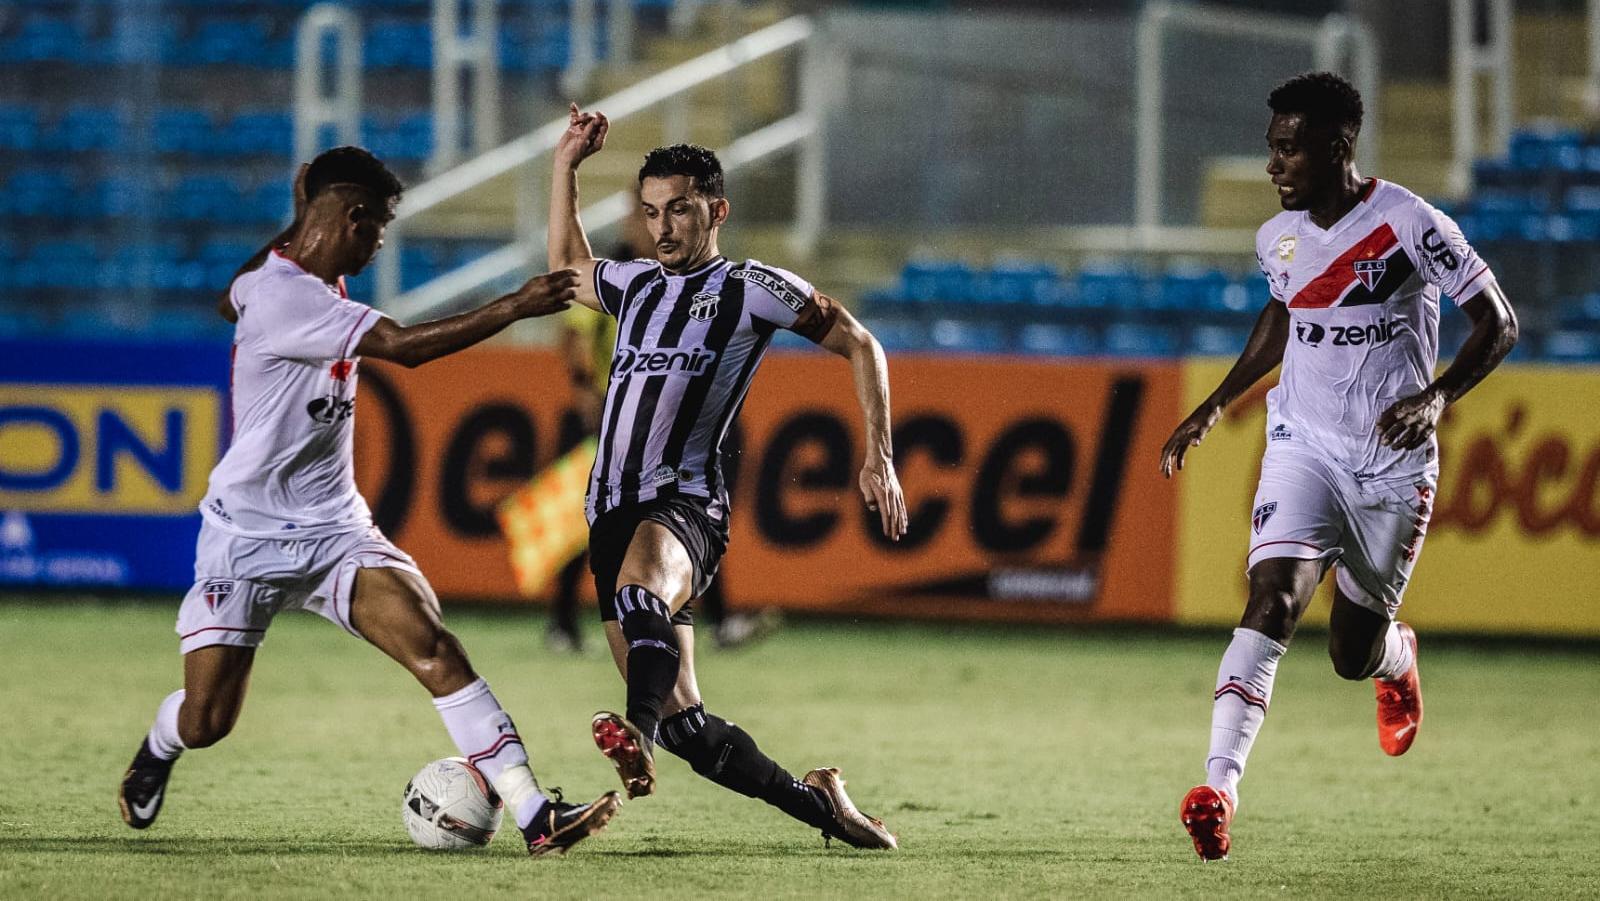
1356	267
692	328
283	525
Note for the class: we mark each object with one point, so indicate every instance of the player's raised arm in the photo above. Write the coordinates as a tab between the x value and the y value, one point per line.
1261	354
1410	420
568	245
879	485
413	345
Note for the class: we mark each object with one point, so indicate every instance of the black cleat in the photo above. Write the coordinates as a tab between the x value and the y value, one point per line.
144	787
560	825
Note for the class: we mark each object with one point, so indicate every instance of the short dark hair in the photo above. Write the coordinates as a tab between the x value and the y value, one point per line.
354	166
1327	102
692	160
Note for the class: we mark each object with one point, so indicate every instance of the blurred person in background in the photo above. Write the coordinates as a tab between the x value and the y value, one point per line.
1356	267
283	526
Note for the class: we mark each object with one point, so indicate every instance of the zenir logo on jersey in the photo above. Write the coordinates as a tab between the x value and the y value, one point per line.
703	306
331	409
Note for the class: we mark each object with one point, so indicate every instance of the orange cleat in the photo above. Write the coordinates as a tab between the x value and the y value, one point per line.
1207	813
1400	704
624	745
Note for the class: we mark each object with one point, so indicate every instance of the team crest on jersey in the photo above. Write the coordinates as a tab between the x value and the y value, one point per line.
1370	271
703	306
1286	246
216	593
1262	514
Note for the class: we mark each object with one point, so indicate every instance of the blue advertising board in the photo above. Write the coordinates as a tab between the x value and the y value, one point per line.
105	448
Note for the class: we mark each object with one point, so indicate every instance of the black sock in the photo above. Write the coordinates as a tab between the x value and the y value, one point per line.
728	756
652	655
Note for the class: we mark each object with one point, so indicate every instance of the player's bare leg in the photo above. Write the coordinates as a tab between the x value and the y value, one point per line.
398	612
1364	645
1280	590
199	715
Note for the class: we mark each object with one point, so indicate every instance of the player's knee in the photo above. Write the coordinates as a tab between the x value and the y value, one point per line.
441	664
1272	604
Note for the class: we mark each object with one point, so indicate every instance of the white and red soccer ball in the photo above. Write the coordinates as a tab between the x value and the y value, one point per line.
449	806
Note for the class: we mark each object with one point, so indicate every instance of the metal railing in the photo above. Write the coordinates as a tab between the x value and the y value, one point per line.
315	109
527	245
1331	39
1468	59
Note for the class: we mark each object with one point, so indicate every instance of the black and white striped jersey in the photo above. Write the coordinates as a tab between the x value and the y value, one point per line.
687	349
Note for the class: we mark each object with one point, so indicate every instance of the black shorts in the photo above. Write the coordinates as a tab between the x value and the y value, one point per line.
705	539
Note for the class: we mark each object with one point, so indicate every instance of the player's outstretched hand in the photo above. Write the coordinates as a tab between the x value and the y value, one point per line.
1410	420
1189	433
584	137
881	488
546	294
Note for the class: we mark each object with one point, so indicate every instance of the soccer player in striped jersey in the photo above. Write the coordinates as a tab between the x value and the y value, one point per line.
284	527
692	328
1356	268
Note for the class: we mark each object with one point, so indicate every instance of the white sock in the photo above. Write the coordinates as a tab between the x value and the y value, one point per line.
485	735
1244	688
1397	656
163	738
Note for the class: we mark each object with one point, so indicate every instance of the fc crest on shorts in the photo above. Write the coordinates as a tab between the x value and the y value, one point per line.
703	306
1262	514
216	593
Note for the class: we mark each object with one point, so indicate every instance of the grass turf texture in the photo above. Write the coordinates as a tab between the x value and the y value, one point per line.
1039	763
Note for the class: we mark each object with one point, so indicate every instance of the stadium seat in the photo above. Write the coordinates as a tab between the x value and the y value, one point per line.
84	129
1191	289
188	131
1015	283
240	41
1059	340
899	334
1571	346
48	38
398	44
968	336
406	138
36	193
1581	313
1218	340
19	128
936	281
258	133
1126	339
1110	288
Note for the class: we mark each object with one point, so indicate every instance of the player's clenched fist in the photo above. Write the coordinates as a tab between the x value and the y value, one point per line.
585	135
1189	433
546	294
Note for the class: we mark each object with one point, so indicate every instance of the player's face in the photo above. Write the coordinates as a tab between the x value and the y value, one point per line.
1301	168
681	221
365	235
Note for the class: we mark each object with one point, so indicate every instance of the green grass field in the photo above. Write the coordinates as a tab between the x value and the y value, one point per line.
1027	763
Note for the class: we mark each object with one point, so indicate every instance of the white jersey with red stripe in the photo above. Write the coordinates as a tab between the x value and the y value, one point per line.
289	472
1363	301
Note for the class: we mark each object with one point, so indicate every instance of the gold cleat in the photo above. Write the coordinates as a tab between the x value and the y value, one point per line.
852	827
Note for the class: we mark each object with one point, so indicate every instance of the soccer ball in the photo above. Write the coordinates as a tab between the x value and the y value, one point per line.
449	806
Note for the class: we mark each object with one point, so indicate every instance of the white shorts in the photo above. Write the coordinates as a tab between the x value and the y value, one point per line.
240	583
1313	510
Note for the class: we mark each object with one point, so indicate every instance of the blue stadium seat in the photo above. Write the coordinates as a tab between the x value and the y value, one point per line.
406	138
48	38
88	128
1110	288
899	334
36	193
1126	339
398	44
1572	346
968	336
19	128
1059	340
1016	283
1581	313
222	257
1190	289
1534	151
258	133
240	41
209	198
183	131
65	264
936	281
1218	340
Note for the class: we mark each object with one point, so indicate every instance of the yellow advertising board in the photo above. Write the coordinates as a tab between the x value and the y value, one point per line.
1514	545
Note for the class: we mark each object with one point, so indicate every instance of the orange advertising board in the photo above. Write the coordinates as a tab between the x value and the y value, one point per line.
1022	478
